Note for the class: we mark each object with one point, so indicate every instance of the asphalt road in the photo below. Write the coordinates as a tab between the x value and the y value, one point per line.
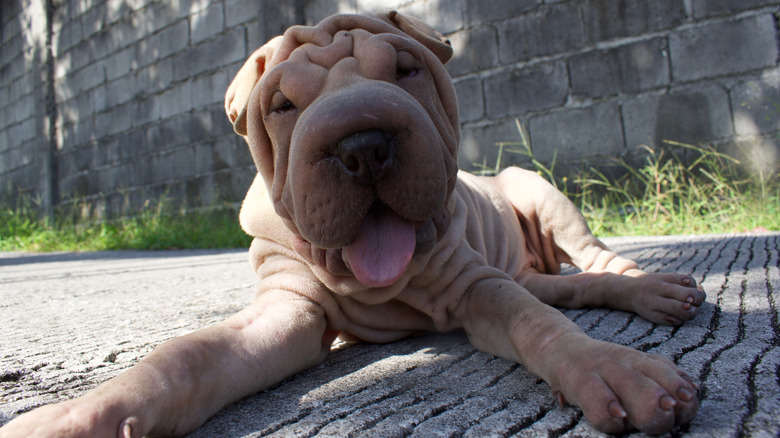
71	321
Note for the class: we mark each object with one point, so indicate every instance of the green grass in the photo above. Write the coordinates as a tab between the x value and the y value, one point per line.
152	228
706	192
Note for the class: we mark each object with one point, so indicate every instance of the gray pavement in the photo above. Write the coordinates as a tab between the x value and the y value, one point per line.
71	321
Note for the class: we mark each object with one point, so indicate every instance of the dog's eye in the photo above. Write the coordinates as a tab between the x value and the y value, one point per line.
405	72
284	107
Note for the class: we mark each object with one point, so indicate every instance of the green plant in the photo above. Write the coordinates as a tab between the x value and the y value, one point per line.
678	188
156	226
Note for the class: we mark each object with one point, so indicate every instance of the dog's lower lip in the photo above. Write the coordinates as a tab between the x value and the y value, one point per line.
380	207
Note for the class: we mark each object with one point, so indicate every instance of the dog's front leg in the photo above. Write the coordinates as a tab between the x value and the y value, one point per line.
618	388
187	379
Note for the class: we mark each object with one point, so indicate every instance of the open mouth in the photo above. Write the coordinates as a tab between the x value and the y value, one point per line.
383	248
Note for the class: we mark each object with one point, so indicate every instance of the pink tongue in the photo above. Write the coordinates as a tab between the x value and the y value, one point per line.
383	248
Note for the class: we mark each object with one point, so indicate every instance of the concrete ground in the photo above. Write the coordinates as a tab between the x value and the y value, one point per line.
71	321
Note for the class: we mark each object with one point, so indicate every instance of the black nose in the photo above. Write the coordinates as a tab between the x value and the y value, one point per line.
366	156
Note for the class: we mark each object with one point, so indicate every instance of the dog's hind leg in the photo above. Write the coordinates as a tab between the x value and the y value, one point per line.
556	232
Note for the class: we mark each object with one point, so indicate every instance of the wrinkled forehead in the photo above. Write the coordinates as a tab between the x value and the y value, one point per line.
323	33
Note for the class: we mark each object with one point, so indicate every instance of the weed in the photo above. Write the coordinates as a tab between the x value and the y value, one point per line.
675	189
155	226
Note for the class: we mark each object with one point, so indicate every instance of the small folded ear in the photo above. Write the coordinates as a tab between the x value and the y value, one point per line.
424	33
237	96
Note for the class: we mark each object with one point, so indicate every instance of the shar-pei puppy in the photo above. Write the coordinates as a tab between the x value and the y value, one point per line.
364	228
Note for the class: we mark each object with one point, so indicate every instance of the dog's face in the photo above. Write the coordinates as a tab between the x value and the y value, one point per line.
353	126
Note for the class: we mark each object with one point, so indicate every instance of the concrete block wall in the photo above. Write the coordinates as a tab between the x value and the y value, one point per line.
120	101
24	122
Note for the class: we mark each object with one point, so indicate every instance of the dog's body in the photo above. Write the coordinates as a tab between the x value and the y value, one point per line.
364	228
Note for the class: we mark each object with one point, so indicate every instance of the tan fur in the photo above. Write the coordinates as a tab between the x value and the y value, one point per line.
353	127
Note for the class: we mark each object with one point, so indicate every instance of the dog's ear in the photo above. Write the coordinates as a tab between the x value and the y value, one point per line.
424	33
237	96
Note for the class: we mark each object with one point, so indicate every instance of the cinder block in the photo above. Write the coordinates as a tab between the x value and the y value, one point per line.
182	161
278	16
229	154
22	110
69	35
81	105
480	10
608	19
690	115
63	65
471	106
548	30
240	180
146	109
706	8
155	16
86	78
197	126
209	89
213	54
475	49
206	159
256	35
155	77
76	160
29	130
719	49
176	100
170	40
93	20
207	23
5	143
112	178
119	119
479	144
120	63
627	69
316	11
446	16
12	49
240	11
513	92
160	168
166	133
756	105
577	133
80	56
78	185
373	5
11	29
116	92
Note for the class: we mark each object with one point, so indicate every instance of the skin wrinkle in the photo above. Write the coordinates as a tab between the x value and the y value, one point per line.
461	282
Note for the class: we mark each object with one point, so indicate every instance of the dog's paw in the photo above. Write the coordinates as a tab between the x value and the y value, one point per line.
72	418
620	389
665	298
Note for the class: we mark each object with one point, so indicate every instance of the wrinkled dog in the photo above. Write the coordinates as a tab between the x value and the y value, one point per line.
364	228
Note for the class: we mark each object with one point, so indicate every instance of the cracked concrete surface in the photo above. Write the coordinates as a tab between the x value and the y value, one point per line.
71	321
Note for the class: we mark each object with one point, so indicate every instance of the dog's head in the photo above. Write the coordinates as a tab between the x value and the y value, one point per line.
353	125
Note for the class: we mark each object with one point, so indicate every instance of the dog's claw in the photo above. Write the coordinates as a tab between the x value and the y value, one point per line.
558	396
667	403
126	430
616	409
684	394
